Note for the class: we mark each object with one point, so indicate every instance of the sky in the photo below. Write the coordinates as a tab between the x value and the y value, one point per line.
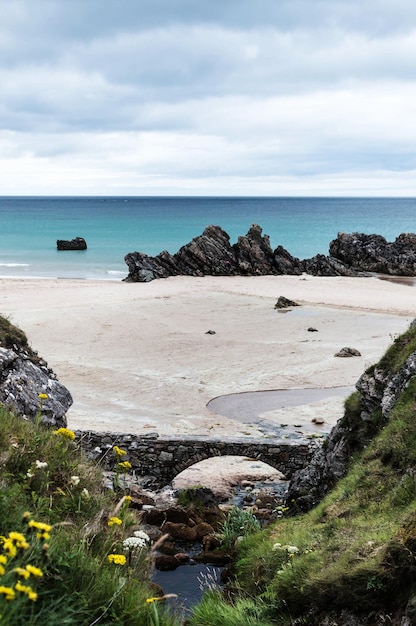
208	97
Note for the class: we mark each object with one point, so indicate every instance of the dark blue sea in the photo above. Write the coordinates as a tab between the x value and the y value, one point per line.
114	226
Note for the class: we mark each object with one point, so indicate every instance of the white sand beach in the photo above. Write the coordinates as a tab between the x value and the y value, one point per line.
137	357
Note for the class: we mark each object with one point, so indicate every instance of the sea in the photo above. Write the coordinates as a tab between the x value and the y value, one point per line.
115	226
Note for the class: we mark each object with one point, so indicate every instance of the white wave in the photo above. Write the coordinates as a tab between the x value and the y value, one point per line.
14	265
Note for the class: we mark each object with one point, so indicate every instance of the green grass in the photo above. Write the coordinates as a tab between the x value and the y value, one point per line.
44	478
10	335
357	549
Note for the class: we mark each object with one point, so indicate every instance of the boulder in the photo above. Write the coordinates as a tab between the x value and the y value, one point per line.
23	376
348	352
74	244
284	303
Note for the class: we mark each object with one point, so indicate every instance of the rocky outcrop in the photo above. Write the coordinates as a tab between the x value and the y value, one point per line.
372	253
211	254
23	377
78	243
321	265
378	390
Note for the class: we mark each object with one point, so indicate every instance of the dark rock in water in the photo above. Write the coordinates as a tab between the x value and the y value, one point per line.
211	254
166	563
74	244
348	352
372	253
284	303
23	378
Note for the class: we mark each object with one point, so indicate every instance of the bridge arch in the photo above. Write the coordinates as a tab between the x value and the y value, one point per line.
162	459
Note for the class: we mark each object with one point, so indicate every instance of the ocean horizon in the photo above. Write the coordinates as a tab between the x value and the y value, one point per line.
113	226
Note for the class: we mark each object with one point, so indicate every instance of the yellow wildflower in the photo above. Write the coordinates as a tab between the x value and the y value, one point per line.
35	571
39	525
43	536
19	539
117	559
2	570
32	595
3	559
43	396
125	465
20	571
65	432
118	451
115	521
9	548
8	592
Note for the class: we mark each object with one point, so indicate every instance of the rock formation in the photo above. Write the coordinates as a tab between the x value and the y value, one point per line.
212	254
74	244
372	253
23	376
377	393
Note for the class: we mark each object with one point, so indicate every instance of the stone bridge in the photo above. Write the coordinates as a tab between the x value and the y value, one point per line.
160	459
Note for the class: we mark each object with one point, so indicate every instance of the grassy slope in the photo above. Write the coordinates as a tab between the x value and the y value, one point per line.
355	551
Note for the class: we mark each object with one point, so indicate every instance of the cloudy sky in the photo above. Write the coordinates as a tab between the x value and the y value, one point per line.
208	97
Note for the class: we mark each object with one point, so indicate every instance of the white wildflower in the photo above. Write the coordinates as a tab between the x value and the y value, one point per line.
85	493
276	546
292	549
75	480
97	450
142	535
41	464
138	542
29	474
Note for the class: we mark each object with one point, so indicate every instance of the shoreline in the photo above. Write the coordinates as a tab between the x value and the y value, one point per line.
137	357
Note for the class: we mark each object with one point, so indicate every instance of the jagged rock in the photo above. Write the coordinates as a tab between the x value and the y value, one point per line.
378	390
78	243
348	352
211	254
284	303
23	378
372	253
321	265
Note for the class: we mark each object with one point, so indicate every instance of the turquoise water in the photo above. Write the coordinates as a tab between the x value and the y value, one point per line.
112	227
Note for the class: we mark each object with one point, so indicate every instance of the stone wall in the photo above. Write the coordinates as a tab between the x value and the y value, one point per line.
161	460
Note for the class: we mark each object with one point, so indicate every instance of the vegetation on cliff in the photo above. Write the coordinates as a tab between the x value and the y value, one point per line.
354	553
349	560
64	558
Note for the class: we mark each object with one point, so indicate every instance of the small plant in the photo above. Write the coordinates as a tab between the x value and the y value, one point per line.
239	523
21	553
122	467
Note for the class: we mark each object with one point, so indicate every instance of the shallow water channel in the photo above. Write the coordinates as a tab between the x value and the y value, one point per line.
252	407
190	581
